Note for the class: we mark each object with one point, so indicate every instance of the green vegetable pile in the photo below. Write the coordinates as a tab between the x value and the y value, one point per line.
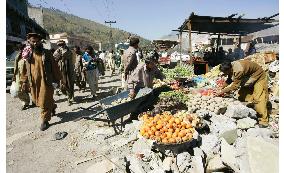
181	70
178	96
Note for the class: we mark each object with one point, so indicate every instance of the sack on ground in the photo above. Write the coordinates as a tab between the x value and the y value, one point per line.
14	89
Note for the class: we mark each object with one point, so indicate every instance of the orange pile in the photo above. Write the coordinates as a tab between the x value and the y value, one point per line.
166	128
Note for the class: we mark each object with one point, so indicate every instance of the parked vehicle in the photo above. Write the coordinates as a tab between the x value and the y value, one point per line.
10	60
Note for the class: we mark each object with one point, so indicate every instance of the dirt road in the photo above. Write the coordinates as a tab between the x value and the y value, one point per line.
31	151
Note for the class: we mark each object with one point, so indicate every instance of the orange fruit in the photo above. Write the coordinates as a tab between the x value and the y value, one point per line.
169	134
175	134
185	138
157	133
169	125
150	132
178	139
165	129
172	140
153	128
188	126
164	141
177	120
177	130
159	126
164	135
172	120
181	134
146	135
159	122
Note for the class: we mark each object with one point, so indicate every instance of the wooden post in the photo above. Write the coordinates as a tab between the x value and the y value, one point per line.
189	37
218	42
240	41
180	45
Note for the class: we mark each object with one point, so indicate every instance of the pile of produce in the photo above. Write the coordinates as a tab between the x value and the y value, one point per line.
165	128
214	72
220	82
158	83
171	100
181	70
208	103
175	85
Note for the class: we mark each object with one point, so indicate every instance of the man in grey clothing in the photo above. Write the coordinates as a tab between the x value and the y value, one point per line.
143	76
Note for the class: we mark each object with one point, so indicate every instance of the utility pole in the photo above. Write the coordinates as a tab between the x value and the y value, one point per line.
110	41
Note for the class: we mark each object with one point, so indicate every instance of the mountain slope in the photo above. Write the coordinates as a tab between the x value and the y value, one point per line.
56	21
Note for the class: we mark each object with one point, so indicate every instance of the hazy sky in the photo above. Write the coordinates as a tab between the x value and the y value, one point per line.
153	19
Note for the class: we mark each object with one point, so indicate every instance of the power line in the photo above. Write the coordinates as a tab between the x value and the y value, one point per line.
110	32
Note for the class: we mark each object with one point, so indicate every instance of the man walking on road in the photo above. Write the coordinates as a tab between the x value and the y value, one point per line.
63	56
80	76
90	67
20	76
42	75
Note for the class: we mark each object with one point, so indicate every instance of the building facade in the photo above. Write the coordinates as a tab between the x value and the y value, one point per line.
18	24
72	41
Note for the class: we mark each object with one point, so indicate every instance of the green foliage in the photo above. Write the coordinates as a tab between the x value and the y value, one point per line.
56	21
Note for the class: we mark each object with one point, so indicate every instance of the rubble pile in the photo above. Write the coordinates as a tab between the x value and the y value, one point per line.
226	137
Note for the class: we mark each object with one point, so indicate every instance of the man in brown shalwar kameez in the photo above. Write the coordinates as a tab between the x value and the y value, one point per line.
43	73
63	57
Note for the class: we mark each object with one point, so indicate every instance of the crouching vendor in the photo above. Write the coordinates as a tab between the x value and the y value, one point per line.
143	76
252	80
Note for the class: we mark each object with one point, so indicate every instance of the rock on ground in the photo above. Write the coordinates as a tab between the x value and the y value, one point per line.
228	155
102	167
183	161
197	165
259	132
263	156
230	136
240	111
246	123
210	144
215	164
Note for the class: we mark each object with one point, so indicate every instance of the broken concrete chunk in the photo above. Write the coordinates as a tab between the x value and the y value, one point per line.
210	144
103	166
246	123
141	147
197	165
228	155
230	136
259	132
222	124
198	152
239	111
183	161
167	163
215	164
263	156
135	165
